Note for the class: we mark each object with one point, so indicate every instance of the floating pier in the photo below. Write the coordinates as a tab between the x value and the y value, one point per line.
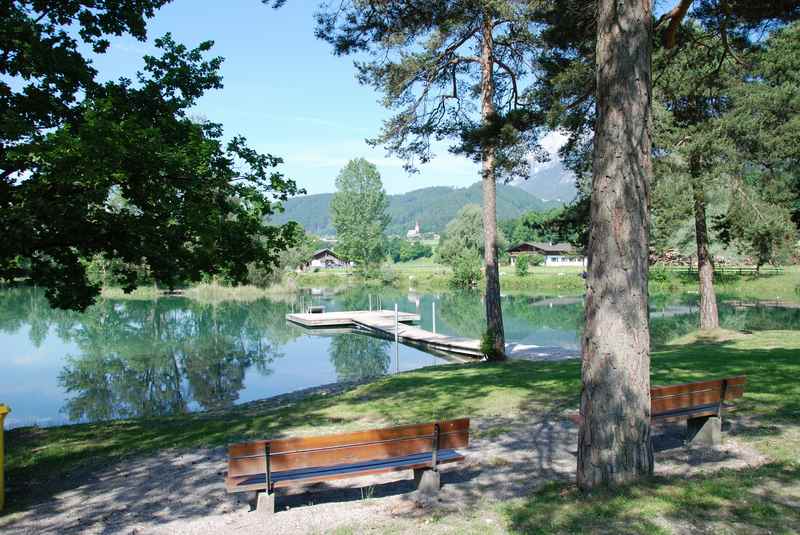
382	323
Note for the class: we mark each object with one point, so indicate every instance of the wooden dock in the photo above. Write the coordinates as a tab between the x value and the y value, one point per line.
349	319
381	323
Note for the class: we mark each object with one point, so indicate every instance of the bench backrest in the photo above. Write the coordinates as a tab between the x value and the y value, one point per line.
673	398
346	448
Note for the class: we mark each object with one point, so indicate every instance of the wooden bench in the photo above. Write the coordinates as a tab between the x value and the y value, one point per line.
265	465
701	404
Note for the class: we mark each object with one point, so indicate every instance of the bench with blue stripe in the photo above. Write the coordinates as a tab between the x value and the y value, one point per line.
264	465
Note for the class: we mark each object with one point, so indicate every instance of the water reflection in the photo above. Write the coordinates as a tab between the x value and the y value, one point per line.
132	358
357	357
150	358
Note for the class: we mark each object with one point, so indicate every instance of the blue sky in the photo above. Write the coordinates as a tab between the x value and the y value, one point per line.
285	91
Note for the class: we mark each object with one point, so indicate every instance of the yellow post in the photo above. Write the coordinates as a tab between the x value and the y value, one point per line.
3	411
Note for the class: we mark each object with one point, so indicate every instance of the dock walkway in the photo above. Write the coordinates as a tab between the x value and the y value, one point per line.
382	323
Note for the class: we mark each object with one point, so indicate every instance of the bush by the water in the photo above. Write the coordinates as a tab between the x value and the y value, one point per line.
488	345
400	250
466	271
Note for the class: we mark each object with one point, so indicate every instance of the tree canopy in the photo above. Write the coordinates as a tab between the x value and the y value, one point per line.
358	211
119	169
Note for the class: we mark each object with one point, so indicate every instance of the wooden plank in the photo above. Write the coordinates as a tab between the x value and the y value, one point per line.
382	323
676	398
344	455
734	392
661	391
345	448
346	318
366	437
247	449
685	401
357	437
692	413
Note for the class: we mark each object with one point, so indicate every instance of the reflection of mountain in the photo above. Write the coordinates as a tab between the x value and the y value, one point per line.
358	357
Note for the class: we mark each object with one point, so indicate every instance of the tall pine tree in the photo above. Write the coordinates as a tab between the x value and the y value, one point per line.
449	70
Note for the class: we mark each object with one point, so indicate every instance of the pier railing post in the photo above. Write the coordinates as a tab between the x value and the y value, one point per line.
433	306
396	338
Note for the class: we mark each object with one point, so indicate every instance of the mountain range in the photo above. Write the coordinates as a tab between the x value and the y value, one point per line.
550	181
433	207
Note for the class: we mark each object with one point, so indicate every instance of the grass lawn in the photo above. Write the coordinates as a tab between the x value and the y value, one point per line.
42	461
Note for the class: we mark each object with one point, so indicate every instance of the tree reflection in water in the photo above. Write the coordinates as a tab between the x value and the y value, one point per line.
152	358
357	356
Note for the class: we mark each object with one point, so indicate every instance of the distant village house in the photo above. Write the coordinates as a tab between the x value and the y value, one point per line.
414	232
555	254
324	259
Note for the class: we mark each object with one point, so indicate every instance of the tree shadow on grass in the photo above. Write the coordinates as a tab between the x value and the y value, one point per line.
43	462
741	500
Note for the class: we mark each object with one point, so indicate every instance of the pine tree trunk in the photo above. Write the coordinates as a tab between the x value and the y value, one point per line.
709	316
494	310
614	443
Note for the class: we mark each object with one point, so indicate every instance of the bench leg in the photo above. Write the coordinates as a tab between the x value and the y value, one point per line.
427	481
705	431
265	503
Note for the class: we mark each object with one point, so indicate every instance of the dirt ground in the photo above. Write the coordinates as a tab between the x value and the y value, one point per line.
183	492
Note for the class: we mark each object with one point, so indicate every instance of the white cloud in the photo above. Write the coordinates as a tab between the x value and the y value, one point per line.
553	141
315	166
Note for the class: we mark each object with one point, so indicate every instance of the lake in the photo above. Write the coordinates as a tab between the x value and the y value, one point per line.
128	358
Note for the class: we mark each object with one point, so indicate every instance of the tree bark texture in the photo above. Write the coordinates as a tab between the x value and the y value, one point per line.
709	315
494	310
614	444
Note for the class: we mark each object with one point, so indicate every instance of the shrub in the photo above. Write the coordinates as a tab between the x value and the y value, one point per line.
487	346
466	271
260	276
535	260
522	265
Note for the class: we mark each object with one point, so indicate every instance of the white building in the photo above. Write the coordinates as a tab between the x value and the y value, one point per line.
324	259
555	254
414	232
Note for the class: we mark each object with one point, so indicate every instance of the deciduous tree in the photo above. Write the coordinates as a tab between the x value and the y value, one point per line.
358	212
119	169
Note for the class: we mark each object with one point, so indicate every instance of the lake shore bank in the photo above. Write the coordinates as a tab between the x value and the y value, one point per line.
749	288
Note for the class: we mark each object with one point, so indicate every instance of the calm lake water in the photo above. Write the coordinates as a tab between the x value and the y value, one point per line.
129	358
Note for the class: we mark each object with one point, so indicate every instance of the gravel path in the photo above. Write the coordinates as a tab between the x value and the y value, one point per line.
183	492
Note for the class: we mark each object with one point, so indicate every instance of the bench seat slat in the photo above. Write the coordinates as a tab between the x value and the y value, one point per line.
305	475
731	393
678	402
659	391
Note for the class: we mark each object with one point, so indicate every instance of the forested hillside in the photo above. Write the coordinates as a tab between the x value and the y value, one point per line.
432	207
